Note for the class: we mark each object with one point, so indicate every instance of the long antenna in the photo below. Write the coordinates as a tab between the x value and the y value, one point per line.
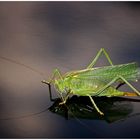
34	70
19	63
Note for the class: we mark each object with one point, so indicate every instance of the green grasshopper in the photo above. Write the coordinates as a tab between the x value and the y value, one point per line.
95	81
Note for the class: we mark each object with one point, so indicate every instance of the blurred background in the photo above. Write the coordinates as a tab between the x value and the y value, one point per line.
67	36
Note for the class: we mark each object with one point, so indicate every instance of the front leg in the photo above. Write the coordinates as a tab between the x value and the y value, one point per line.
64	99
61	103
55	73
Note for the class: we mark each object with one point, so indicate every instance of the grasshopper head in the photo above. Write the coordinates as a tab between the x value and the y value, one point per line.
61	85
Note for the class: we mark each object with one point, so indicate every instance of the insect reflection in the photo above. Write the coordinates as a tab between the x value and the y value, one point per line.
116	108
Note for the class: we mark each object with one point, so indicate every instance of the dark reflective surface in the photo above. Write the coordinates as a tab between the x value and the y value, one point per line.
64	35
115	108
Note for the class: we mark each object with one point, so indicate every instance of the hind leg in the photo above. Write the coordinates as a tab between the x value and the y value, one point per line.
101	51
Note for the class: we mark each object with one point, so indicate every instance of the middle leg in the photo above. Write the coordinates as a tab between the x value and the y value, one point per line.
94	104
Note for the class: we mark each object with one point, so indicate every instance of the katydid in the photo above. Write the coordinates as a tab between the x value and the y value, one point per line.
95	81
